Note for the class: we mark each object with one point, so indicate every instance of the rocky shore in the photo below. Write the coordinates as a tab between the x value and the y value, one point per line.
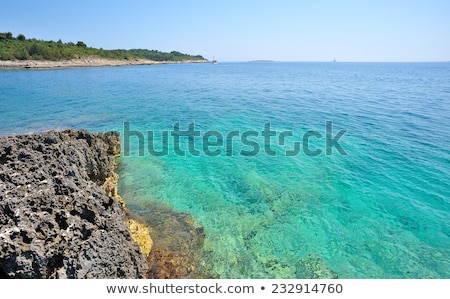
60	215
82	62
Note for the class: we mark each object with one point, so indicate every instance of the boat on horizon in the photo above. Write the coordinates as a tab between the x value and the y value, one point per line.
214	61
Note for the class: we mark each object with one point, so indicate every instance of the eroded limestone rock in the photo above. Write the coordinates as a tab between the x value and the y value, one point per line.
56	221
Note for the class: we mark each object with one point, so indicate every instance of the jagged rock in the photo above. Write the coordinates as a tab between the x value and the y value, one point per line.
56	221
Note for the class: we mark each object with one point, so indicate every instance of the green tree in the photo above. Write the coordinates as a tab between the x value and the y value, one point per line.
81	44
22	54
6	36
21	37
33	49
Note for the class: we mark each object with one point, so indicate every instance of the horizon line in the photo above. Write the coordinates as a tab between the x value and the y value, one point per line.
337	61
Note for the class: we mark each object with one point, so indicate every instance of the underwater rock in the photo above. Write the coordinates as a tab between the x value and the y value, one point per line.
56	220
177	242
314	267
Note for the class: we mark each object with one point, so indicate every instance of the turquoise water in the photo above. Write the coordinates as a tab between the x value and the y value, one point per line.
380	211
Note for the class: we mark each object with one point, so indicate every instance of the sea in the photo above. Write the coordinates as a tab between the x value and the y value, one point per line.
291	168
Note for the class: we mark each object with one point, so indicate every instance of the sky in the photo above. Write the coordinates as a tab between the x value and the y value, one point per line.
243	30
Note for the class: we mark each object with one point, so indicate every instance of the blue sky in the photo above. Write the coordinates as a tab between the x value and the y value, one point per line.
281	30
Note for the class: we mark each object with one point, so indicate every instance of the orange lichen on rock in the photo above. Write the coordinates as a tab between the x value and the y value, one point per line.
141	234
110	187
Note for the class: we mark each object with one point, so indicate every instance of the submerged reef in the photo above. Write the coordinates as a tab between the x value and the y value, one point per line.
60	215
314	267
177	250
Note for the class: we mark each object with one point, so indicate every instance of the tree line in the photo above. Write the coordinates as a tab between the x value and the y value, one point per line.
22	48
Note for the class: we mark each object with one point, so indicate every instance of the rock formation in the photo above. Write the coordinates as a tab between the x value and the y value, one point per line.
59	212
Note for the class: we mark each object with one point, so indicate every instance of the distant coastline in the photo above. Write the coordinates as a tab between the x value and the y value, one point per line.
30	53
83	62
262	60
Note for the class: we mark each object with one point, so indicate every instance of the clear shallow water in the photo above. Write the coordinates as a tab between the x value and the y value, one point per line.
381	211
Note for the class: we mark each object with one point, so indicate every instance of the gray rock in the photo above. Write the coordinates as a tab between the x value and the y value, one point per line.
55	219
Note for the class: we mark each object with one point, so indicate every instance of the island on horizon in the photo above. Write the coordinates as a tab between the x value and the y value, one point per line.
262	60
